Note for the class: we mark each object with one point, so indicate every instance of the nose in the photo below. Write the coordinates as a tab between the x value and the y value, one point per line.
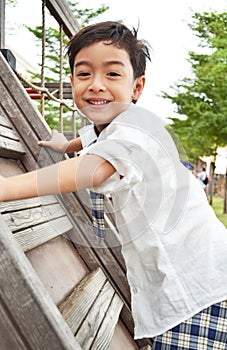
97	84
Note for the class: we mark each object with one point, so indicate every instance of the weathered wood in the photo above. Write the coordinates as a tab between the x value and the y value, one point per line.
63	14
8	133
106	331
92	311
81	299
58	266
26	132
28	307
5	122
103	254
22	204
122	339
37	235
10	167
14	341
91	324
11	148
20	220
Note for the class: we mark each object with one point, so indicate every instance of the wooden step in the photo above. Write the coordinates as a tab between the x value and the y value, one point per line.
29	319
10	146
35	221
92	311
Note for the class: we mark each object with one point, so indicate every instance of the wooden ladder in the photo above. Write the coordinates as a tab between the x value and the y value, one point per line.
50	286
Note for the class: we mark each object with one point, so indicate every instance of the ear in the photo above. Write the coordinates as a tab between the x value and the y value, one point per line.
138	87
71	80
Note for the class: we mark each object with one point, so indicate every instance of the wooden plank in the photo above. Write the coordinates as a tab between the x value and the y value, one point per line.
37	235
22	204
122	339
59	267
30	309
103	254
91	324
9	133
20	220
5	122
106	331
63	15
11	148
26	127
15	341
79	302
10	167
92	311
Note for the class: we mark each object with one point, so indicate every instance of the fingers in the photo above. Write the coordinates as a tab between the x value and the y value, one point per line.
43	143
47	143
58	142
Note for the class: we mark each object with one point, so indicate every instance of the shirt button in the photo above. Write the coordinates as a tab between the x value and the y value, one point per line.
134	290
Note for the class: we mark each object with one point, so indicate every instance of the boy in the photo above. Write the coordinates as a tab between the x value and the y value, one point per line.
173	245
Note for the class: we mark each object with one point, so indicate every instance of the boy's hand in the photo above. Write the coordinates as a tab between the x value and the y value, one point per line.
58	142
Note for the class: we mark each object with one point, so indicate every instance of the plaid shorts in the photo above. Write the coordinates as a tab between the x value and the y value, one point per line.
204	331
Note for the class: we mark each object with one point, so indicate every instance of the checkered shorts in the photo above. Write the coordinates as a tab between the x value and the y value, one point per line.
204	331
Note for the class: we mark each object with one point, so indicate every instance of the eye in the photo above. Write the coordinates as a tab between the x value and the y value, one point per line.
113	74
83	74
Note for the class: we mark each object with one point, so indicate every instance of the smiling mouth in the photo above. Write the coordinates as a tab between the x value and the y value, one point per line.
98	102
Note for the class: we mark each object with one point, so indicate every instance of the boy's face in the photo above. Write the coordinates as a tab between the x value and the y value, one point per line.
103	83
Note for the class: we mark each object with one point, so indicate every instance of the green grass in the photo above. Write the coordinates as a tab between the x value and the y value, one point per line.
218	209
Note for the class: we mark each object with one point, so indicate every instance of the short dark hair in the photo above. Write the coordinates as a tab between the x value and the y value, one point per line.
113	33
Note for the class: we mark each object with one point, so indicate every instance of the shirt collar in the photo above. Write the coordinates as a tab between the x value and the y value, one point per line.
88	135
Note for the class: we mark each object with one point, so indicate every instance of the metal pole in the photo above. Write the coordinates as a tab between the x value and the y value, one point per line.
2	24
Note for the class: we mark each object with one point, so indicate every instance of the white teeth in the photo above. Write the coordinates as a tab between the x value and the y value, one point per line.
98	102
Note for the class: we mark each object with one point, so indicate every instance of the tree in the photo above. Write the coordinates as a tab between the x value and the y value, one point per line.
201	100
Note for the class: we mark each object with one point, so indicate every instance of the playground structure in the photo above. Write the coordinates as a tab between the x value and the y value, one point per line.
59	289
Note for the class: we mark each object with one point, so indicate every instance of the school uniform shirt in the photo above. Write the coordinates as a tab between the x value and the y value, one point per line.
175	249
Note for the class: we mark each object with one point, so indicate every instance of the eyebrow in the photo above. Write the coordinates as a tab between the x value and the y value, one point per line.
107	63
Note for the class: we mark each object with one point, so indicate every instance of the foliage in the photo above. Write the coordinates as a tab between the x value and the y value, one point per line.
201	100
52	60
218	209
11	2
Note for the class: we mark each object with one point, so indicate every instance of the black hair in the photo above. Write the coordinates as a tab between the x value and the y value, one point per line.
112	33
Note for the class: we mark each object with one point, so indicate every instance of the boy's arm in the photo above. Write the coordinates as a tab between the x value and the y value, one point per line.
74	145
67	176
59	143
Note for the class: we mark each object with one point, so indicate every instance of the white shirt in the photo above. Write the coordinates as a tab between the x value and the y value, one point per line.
174	247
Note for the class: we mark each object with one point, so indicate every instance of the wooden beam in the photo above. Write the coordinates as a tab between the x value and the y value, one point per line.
30	314
63	15
2	24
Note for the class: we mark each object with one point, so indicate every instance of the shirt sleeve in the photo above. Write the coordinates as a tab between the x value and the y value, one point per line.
125	157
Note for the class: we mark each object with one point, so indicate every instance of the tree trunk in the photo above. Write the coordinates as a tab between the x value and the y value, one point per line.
225	194
211	183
